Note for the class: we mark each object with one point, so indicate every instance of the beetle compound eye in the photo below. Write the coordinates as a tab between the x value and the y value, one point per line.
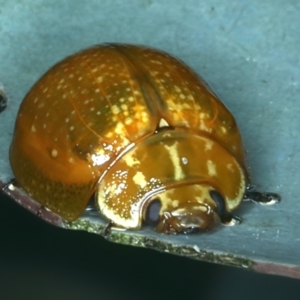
152	216
220	202
226	217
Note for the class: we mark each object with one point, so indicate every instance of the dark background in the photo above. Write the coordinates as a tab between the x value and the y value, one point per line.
40	261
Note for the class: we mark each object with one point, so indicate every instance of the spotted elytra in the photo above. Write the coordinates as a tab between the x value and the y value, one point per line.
140	131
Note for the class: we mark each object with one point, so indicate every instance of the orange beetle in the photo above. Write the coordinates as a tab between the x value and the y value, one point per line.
141	131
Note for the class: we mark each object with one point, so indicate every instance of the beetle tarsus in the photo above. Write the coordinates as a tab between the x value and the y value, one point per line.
39	212
10	185
226	217
107	229
230	220
262	198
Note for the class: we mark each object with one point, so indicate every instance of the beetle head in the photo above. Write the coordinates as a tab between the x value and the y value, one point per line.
183	209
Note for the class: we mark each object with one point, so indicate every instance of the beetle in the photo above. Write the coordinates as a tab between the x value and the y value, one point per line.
139	130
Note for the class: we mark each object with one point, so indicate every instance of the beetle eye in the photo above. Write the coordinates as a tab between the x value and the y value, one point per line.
152	214
226	217
220	202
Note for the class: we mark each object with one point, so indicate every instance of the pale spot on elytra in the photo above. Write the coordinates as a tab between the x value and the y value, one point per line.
119	129
115	109
128	121
131	160
175	203
211	168
208	145
177	89
139	179
54	153
174	157
224	130
230	167
186	106
124	107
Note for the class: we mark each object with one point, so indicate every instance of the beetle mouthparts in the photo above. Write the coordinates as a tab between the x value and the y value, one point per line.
187	222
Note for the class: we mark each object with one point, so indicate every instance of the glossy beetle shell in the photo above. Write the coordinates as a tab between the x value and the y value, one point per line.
133	125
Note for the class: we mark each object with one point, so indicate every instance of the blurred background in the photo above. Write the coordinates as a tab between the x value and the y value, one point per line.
249	53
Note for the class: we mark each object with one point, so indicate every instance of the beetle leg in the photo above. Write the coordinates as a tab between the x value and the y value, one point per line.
230	219
10	185
107	229
226	217
40	211
262	198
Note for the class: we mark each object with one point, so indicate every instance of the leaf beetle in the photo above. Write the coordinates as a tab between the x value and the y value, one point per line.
139	130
